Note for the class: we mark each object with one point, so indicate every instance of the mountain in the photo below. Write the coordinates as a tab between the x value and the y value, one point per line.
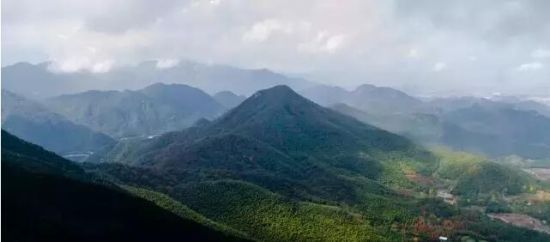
153	110
421	127
375	99
278	137
449	104
38	81
488	128
508	131
490	178
368	98
279	167
228	99
479	125
524	104
32	121
325	95
48	198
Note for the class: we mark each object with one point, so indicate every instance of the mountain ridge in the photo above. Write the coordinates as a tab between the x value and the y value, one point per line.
153	110
38	81
34	122
46	197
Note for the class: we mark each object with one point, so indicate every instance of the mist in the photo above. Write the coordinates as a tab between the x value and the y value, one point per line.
424	47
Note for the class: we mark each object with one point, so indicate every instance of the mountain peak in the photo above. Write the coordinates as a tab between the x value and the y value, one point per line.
163	86
277	96
280	93
366	87
228	99
277	90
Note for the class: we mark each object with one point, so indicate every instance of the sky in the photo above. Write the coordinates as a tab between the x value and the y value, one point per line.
426	47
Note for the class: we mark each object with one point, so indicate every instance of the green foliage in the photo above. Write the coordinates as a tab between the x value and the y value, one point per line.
472	176
488	177
181	210
33	158
48	198
483	228
280	141
454	163
281	168
497	207
270	217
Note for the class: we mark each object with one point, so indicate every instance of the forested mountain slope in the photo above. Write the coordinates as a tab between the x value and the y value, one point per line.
47	198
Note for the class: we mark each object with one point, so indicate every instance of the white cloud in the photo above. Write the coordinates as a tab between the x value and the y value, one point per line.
323	42
413	53
439	66
103	66
261	31
81	64
215	2
167	63
541	53
334	43
355	40
533	66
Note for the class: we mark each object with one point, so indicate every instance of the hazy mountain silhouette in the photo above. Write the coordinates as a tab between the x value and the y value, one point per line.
37	81
152	110
32	121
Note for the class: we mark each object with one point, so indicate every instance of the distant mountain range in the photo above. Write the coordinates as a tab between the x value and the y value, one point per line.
161	108
34	122
229	99
486	126
153	110
369	98
37	81
494	127
276	136
279	167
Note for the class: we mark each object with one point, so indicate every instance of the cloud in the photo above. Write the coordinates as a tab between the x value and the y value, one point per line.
541	53
413	53
81	64
261	31
334	43
533	66
439	66
394	43
167	63
323	42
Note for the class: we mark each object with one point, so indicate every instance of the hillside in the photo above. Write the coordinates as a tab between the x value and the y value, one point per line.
281	168
511	131
33	122
421	127
368	98
279	137
47	198
477	125
152	110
